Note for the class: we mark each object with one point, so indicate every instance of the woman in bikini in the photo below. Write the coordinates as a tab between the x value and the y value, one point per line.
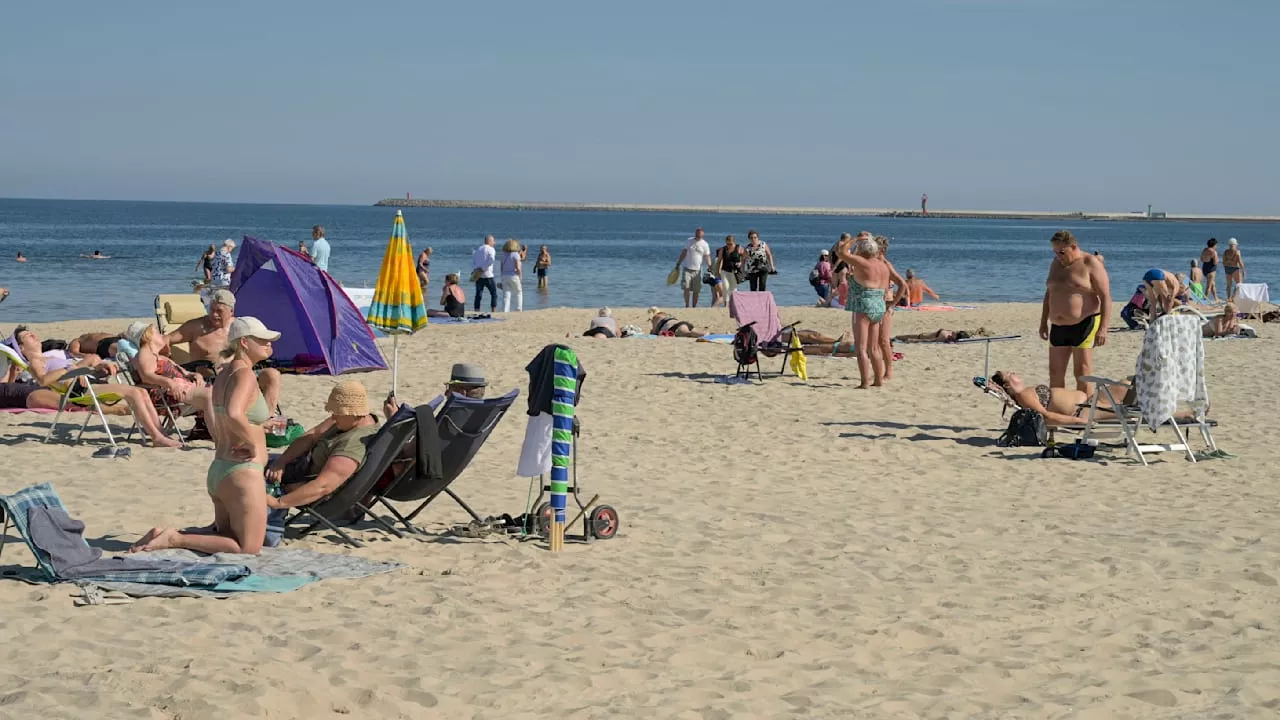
940	336
424	269
1059	406
661	323
235	481
1233	266
1224	325
868	282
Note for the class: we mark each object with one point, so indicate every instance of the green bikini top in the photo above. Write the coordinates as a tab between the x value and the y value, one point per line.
258	412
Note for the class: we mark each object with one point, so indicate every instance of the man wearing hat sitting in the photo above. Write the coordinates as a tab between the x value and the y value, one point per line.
206	337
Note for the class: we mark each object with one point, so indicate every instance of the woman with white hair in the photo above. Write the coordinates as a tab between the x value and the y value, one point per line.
512	272
868	282
603	325
1233	266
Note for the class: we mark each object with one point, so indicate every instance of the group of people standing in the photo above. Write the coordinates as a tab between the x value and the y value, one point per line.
724	270
217	264
509	271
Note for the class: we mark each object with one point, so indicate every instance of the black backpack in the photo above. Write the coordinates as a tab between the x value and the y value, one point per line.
745	345
1026	429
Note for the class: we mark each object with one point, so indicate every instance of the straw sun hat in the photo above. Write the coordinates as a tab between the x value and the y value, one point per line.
348	398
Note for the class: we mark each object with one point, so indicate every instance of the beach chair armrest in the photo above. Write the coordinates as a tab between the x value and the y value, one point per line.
1099	380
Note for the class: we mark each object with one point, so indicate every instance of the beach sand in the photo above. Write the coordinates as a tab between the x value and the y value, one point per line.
787	550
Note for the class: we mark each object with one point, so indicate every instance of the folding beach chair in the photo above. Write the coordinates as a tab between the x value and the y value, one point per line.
1169	374
757	311
462	425
169	415
339	507
171	312
77	390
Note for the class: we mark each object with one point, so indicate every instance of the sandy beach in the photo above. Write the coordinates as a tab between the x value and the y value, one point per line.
787	549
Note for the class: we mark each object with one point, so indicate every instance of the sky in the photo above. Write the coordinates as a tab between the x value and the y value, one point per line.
1092	105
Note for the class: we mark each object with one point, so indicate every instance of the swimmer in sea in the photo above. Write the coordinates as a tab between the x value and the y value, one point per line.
97	255
20	258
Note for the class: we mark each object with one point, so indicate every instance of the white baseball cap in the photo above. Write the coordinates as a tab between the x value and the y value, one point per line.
243	327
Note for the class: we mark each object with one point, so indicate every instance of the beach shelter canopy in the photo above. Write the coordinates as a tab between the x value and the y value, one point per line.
318	322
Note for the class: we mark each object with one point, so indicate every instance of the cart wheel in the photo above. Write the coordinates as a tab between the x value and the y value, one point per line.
542	519
603	522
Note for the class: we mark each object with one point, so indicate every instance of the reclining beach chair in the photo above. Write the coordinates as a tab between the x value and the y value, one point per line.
1169	374
171	312
758	312
462	425
77	391
169	415
347	503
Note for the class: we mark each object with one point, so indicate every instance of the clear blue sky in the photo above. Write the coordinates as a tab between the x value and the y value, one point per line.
1038	104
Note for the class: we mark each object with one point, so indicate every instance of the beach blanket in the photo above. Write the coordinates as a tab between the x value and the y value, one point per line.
1170	368
275	570
722	339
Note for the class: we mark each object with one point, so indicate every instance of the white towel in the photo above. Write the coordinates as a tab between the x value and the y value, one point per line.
1170	368
535	454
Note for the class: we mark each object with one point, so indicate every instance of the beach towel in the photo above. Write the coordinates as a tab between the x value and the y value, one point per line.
463	321
745	307
936	308
1170	368
718	338
274	570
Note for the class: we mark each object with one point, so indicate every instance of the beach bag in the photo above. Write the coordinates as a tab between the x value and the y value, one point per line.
1026	429
292	431
745	345
814	278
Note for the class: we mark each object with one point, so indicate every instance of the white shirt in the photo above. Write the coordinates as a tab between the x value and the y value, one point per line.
320	254
482	260
696	253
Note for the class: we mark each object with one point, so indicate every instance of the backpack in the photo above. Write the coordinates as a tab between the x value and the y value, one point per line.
813	277
745	345
1026	429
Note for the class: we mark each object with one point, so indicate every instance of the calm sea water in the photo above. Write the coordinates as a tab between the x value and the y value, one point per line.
614	258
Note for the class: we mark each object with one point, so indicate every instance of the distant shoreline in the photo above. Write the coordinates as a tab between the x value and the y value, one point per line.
846	212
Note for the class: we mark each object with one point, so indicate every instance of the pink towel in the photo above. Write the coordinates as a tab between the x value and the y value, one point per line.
746	306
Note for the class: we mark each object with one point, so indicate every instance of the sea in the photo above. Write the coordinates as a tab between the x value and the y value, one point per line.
599	258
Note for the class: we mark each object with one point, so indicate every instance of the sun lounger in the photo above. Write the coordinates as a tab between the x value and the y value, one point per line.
1169	374
76	389
1251	299
462	426
169	415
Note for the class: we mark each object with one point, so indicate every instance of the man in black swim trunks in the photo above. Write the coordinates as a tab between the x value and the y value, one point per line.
1075	311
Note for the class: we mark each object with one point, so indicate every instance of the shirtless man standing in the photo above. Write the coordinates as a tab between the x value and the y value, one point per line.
1076	310
207	338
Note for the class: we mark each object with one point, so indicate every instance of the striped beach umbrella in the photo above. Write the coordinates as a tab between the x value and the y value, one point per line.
397	307
564	396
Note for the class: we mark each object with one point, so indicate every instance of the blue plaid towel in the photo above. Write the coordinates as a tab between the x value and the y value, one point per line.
62	545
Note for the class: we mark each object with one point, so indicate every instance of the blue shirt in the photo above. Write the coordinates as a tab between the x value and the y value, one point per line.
320	254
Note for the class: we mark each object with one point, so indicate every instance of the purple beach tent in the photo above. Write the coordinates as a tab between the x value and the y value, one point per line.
316	320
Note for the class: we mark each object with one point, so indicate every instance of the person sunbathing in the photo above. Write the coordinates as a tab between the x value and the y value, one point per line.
102	344
661	323
162	377
206	337
234	480
1224	325
603	325
1059	406
45	370
940	336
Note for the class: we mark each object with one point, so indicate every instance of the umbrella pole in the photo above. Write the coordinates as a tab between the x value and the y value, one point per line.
395	361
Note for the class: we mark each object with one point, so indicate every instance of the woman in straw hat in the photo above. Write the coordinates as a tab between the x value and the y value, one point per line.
235	478
329	453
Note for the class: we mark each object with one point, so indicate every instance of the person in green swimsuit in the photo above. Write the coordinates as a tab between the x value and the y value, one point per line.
235	479
868	281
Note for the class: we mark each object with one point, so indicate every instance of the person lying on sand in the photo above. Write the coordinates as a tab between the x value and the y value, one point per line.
940	336
665	323
603	325
1224	325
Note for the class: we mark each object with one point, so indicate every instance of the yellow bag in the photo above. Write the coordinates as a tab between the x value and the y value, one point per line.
674	276
799	365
